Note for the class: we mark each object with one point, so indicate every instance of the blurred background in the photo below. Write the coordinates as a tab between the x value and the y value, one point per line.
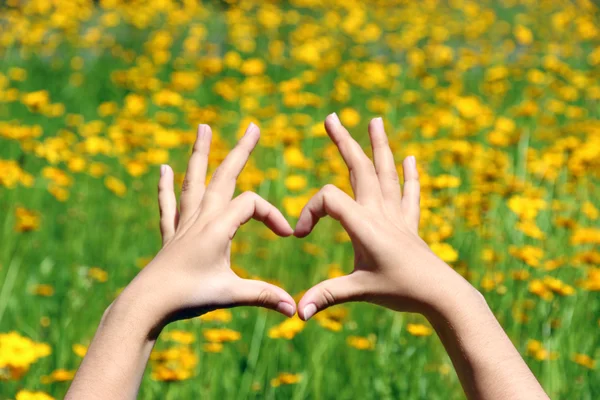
498	101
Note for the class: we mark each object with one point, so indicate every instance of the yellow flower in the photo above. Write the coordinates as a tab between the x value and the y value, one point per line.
330	324
43	290
167	98
27	220
59	375
221	315
294	205
361	343
444	251
35	101
80	350
28	395
585	236
179	336
523	35
294	157
536	349
11	175
116	186
287	329
584	360
590	211
98	274
212	347
349	117
141	262
253	66
445	182
529	254
221	335
525	207
286	378
295	182
173	364
537	287
18	353
419	330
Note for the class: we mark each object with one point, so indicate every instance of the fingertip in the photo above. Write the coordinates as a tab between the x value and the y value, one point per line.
300	233
252	129
286	230
376	124
252	135
166	172
331	121
302	228
410	168
308	311
283	226
286	309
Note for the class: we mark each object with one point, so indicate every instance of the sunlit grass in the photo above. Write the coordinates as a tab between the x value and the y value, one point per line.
498	102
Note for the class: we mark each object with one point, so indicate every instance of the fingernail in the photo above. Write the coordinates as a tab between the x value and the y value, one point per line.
335	118
309	311
251	127
378	121
201	130
285	308
413	161
163	169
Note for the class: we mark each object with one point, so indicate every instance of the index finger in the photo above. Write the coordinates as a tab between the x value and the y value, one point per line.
331	201
222	183
362	172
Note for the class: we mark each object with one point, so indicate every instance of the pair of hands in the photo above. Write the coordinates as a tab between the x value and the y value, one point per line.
393	266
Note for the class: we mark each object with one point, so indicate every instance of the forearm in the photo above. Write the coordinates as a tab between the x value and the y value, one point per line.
116	359
487	363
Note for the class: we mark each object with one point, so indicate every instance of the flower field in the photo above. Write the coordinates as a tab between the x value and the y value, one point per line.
498	100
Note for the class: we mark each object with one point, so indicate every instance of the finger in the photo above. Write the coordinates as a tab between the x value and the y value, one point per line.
412	193
332	201
248	292
362	173
248	206
384	165
222	183
167	203
331	292
195	176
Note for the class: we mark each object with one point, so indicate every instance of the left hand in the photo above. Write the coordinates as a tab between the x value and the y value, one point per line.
191	274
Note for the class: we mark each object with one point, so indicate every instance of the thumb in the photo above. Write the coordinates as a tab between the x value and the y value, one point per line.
250	292
331	292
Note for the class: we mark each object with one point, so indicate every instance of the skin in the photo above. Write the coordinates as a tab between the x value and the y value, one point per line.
393	267
191	274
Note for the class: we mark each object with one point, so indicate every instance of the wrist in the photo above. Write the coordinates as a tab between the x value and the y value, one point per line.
138	305
458	302
455	298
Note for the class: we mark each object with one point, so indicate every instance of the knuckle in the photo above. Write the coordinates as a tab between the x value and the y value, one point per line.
217	174
186	185
265	297
329	189
327	297
391	174
248	195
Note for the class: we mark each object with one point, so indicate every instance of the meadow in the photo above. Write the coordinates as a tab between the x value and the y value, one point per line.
498	100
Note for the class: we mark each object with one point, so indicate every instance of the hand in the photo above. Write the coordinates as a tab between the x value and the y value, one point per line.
191	274
393	266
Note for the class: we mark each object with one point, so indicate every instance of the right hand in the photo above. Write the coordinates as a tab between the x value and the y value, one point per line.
393	266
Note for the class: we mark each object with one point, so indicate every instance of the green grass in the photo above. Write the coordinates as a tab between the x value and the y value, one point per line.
96	228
